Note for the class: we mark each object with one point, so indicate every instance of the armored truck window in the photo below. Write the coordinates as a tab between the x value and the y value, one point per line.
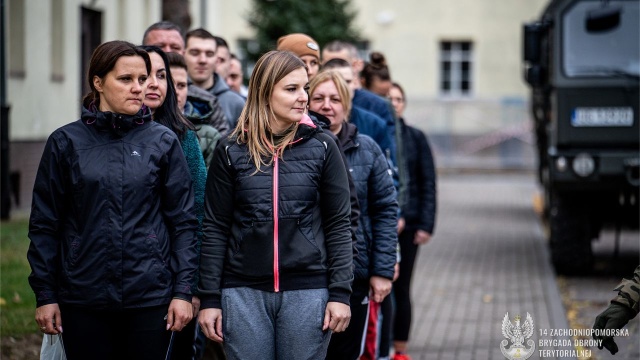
601	50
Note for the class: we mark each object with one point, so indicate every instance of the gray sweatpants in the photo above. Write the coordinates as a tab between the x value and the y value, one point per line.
274	326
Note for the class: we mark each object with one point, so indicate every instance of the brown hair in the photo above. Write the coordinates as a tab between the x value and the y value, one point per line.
397	86
377	67
200	33
254	124
176	60
104	59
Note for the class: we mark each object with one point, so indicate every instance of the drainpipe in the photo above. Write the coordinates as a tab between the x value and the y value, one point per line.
203	14
5	203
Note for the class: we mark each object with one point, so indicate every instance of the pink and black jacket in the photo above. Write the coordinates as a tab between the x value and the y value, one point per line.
286	227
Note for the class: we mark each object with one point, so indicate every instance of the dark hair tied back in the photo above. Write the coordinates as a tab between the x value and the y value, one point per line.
376	68
377	59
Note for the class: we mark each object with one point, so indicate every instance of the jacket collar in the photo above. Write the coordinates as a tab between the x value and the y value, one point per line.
306	129
347	136
118	124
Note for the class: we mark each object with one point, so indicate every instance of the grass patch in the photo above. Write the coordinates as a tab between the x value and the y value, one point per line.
17	301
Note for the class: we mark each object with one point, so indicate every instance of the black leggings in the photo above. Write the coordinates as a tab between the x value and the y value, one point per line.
402	286
347	345
105	335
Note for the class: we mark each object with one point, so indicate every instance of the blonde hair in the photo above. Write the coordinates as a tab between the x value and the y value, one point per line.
341	86
254	125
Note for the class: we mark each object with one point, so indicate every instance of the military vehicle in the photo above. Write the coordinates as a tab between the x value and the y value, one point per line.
582	62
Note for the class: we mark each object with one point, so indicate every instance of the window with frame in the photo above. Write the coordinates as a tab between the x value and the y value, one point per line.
456	68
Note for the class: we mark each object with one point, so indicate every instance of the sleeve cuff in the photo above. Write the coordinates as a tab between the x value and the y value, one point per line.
340	296
210	302
183	296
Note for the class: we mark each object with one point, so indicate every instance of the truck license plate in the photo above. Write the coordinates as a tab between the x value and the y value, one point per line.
602	116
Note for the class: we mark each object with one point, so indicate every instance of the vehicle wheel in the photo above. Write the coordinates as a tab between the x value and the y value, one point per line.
570	237
546	209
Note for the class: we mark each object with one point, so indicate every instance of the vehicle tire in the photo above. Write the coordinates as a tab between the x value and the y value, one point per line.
570	236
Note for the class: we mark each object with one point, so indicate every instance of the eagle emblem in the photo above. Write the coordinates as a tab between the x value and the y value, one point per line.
517	334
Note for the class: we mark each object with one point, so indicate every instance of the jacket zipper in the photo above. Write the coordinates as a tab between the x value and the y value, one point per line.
276	273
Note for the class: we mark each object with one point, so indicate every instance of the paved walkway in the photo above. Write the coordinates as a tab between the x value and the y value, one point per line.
488	257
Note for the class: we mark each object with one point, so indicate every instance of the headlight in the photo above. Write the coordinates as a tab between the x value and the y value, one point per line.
561	164
583	165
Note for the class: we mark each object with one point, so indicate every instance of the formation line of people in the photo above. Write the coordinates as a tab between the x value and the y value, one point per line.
188	216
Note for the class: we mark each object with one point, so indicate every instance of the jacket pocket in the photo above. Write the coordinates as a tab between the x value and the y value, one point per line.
73	249
252	252
159	266
297	246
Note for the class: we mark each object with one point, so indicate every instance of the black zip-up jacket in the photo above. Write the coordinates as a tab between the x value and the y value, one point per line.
283	228
420	209
377	231
112	220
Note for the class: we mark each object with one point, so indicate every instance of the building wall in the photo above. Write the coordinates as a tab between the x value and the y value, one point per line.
47	95
409	32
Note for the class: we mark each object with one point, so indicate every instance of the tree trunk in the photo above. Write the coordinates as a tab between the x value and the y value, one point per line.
177	11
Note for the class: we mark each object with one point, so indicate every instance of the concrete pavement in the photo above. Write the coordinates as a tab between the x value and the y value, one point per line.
487	258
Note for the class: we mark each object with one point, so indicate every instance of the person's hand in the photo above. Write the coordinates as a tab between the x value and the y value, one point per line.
336	317
210	321
421	237
180	313
614	317
380	288
401	224
49	319
396	271
195	303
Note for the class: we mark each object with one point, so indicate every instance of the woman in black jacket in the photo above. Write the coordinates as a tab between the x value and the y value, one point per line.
418	222
112	224
376	235
276	258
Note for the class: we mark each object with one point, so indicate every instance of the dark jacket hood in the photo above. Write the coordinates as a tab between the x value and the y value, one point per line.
198	110
320	119
347	136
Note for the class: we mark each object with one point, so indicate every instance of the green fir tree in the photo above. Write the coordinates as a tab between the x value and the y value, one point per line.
324	21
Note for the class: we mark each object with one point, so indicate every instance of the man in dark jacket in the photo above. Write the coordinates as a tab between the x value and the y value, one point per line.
201	61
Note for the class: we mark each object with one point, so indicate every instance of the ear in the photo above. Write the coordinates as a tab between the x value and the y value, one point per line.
358	65
97	83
